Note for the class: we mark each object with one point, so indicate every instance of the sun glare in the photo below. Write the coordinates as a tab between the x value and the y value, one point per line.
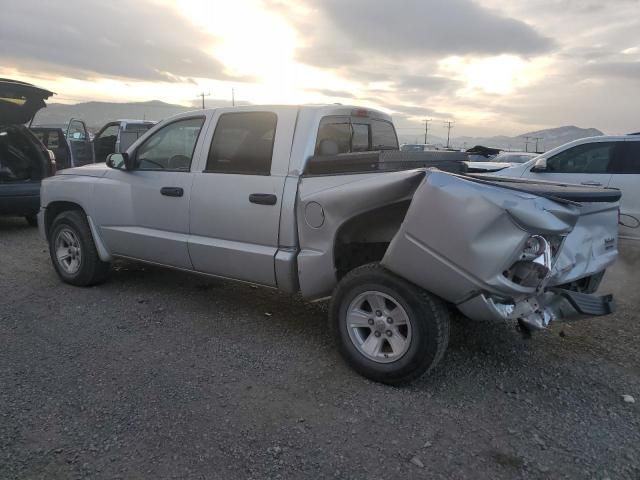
500	75
250	41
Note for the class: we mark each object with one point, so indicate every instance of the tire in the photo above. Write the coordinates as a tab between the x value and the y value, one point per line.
32	220
70	235
388	351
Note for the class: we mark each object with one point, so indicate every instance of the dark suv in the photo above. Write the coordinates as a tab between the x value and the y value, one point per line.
24	160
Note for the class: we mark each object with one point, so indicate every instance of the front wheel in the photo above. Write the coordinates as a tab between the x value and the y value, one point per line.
386	328
73	252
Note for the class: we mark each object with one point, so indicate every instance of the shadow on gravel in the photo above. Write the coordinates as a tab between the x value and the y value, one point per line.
476	349
213	295
14	224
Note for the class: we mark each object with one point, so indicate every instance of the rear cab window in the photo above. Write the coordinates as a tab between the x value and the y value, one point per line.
350	134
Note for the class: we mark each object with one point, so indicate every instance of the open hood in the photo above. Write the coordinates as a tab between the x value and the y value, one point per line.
19	101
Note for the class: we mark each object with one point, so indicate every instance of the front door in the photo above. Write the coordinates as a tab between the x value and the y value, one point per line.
79	143
104	143
236	199
144	213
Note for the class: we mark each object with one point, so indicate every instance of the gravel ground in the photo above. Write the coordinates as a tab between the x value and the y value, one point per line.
158	374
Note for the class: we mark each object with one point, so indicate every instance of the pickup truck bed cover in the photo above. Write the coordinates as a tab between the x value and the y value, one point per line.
364	162
554	190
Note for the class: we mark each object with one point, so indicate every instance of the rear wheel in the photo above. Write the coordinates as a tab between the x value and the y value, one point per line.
73	252
386	328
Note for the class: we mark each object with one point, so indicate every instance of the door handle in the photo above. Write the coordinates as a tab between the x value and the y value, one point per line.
172	191
263	198
592	184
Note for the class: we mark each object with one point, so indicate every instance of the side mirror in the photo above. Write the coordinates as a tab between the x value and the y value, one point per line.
540	165
119	161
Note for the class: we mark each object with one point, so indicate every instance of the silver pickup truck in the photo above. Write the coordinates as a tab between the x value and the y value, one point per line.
318	200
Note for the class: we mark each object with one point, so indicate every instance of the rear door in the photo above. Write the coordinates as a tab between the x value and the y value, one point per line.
586	164
625	176
237	194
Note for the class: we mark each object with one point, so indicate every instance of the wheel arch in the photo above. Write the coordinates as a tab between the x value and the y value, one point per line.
55	208
365	237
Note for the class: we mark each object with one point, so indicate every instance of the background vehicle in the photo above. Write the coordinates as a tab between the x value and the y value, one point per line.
70	142
318	200
117	136
418	147
74	146
54	139
24	160
500	161
480	153
609	161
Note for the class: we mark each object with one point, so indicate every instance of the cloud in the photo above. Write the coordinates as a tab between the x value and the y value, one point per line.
327	92
426	83
135	40
619	69
338	32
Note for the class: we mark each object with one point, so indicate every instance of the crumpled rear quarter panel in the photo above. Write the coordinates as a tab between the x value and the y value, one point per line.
341	197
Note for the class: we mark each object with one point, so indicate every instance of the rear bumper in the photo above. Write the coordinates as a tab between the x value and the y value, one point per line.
539	311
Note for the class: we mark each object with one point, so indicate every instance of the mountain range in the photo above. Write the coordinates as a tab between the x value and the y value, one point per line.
96	114
537	141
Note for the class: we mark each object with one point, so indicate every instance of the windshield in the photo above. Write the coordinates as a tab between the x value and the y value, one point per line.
513	158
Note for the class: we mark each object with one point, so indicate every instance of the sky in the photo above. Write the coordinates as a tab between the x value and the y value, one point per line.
491	66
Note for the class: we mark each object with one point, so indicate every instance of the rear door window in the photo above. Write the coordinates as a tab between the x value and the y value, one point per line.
243	143
627	159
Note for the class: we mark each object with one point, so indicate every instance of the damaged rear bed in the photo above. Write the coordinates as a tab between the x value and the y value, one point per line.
507	250
496	249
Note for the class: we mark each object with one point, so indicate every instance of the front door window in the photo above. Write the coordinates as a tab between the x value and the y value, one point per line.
171	147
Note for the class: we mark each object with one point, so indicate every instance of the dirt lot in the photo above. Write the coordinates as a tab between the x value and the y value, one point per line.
158	374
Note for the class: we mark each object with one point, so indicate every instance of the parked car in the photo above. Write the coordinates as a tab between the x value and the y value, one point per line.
418	147
74	146
71	142
118	136
609	161
24	160
480	153
499	162
273	196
